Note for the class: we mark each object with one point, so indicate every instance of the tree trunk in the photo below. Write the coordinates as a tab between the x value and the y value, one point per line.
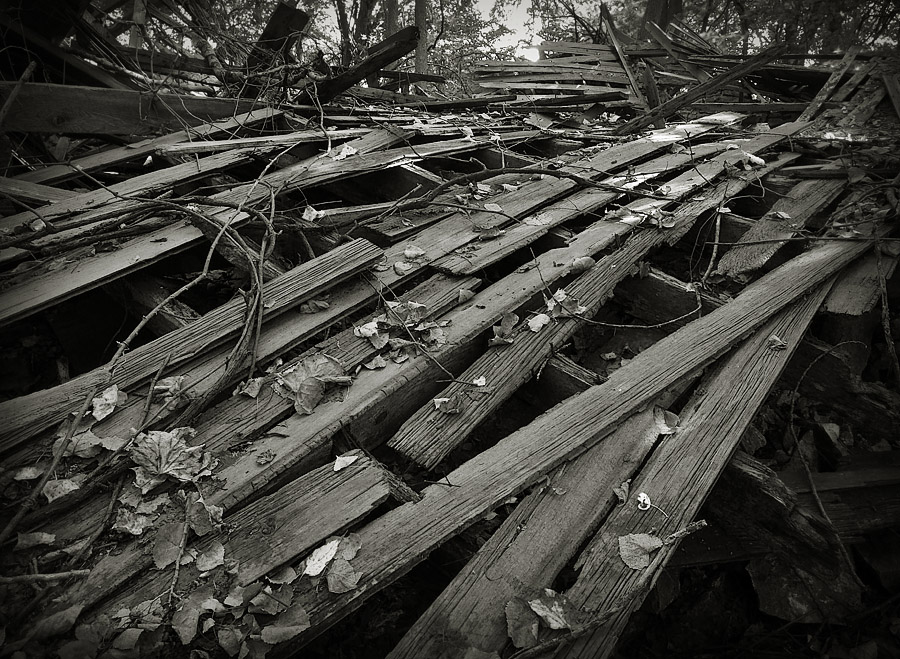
422	47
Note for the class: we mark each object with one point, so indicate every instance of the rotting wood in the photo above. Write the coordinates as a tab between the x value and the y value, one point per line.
272	530
402	537
788	217
857	291
142	293
33	192
429	435
139	150
219	433
27	414
680	473
663	40
48	108
531	547
830	85
46	289
266	141
673	105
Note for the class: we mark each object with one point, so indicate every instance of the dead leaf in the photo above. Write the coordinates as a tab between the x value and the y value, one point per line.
211	557
343	461
666	421
350	545
413	253
167	545
622	491
77	649
376	363
59	488
305	381
201	517
345	152
28	473
127	640
58	623
159	454
286	626
105	404
581	264
249	388
521	623
28	540
314	306
451	405
635	549
230	639
84	444
272	602
555	610
480	381
283	575
187	615
342	577
464	295
537	322
503	332
321	556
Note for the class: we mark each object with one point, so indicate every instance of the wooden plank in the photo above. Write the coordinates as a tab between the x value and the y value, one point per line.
33	192
111	201
663	40
543	66
830	85
694	94
265	141
46	108
546	87
682	471
140	150
857	291
892	84
585	77
43	290
620	54
27	414
263	536
402	537
598	51
583	202
788	216
531	547
290	441
755	108
429	435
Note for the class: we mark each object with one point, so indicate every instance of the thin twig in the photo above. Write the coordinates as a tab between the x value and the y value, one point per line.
44	578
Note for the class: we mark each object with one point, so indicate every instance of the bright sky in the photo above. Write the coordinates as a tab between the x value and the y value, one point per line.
516	19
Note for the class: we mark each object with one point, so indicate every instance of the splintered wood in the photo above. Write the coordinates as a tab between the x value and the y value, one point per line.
313	328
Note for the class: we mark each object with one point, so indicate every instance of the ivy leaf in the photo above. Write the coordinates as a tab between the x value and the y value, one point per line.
635	549
286	626
342	577
305	381
201	517
159	454
167	545
521	623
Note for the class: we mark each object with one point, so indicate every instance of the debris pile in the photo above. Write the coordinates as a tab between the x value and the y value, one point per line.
266	355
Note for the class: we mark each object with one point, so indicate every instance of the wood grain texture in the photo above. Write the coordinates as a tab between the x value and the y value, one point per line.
32	192
263	536
28	414
401	538
681	472
857	291
48	108
430	434
140	150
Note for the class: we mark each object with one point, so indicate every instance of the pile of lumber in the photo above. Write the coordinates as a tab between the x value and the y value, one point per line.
271	366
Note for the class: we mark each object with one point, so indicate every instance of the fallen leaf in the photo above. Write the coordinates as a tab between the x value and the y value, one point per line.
77	649
403	267
503	332
128	639
249	388
283	575
464	295
555	610
537	322
321	556
212	557
272	602
480	381
58	623
413	253
581	264
666	421
521	623
105	404
376	363
350	545
230	639
306	380
294	621
187	615
84	444
449	405
343	461
622	491
28	540
342	577
162	454
28	473
202	518
167	545
635	549
313	306
310	214
59	488
345	152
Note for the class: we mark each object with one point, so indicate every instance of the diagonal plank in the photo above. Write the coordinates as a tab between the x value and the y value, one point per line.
400	539
28	414
430	434
681	473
